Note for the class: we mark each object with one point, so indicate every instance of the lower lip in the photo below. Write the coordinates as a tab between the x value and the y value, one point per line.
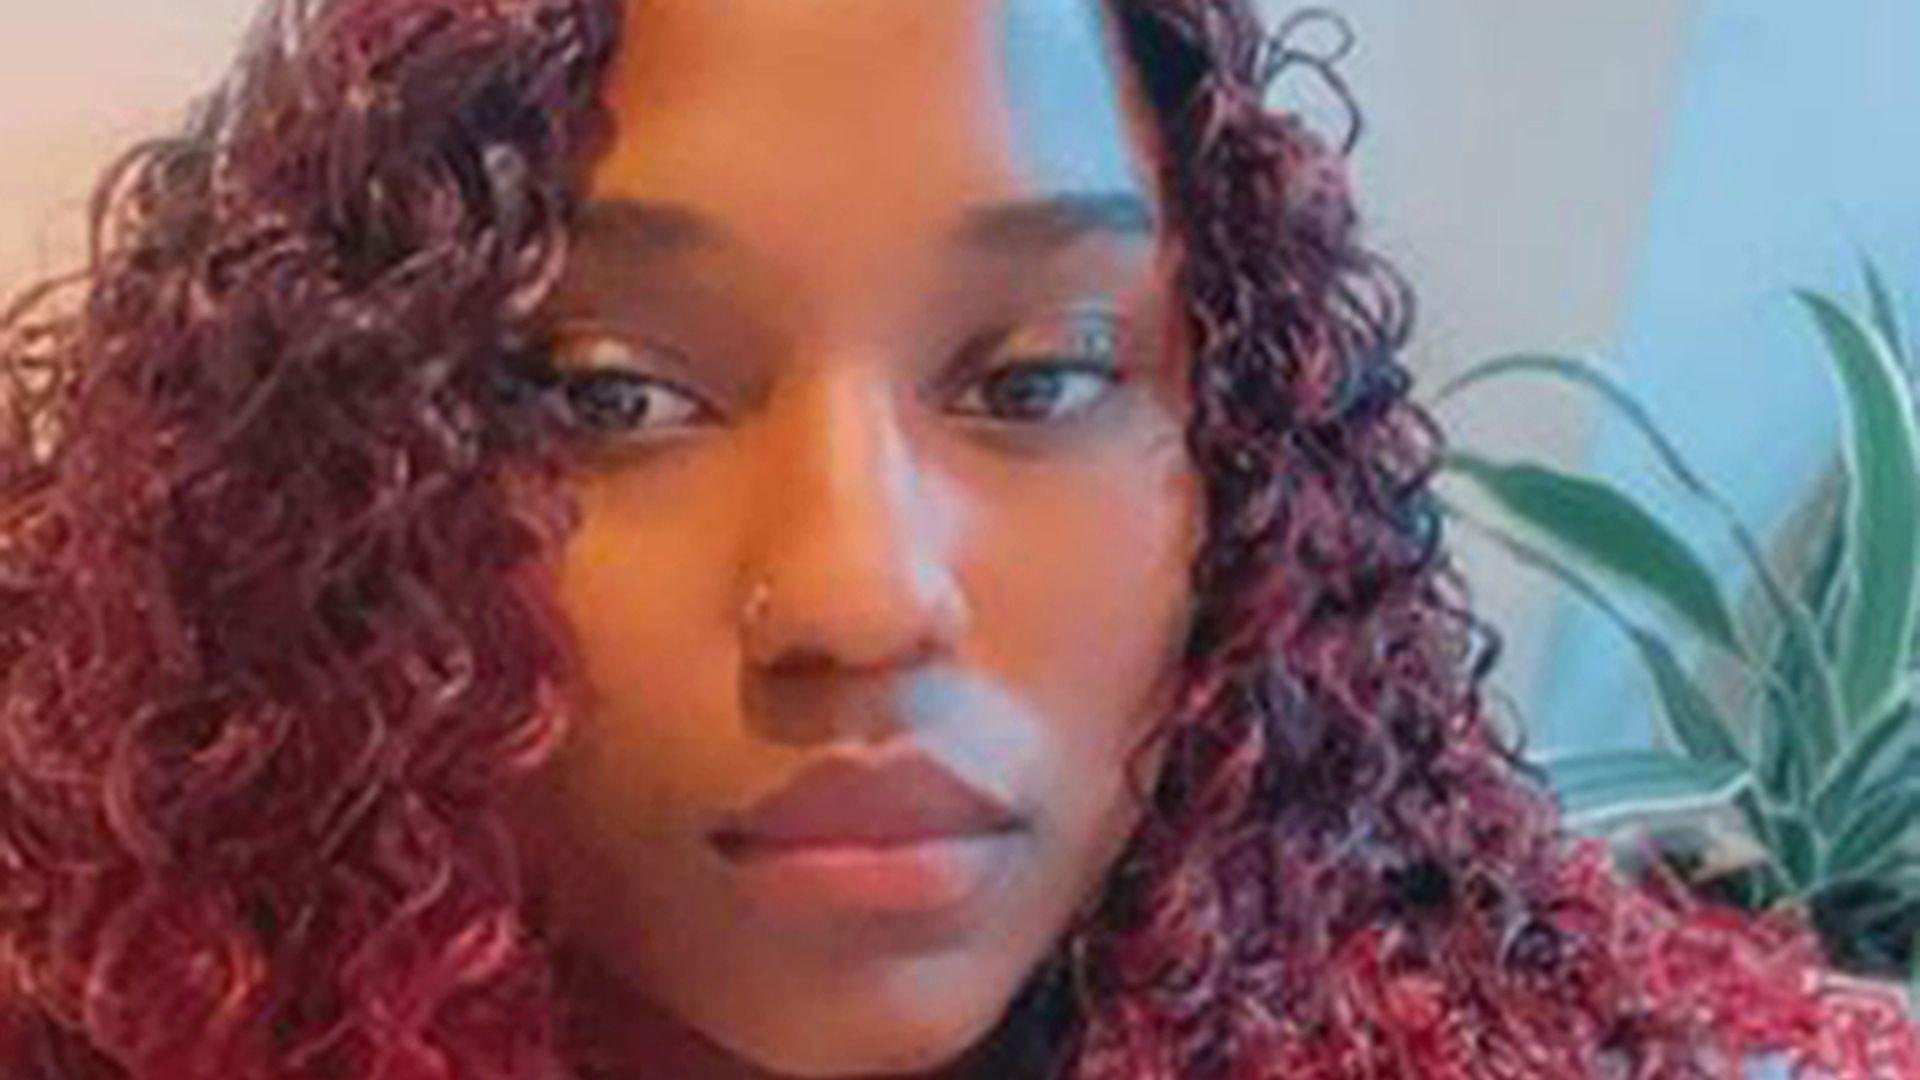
938	876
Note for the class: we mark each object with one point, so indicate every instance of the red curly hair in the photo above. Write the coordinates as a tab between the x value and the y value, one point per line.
280	491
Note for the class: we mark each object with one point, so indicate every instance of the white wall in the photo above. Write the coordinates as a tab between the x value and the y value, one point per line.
1510	152
80	80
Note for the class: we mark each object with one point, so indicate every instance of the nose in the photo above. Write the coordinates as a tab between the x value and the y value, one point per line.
852	537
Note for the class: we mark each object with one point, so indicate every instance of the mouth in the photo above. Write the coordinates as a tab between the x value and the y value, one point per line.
932	878
904	837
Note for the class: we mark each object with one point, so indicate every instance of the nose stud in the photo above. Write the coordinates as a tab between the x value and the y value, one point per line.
754	610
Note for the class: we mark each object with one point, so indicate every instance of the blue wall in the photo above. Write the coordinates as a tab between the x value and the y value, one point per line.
1794	145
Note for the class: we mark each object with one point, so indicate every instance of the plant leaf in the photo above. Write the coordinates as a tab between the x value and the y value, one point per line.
1797	850
1879	831
1792	692
1813	735
1604	786
1837	791
1599	525
1913	982
1823	589
1695	725
1898	881
1894	884
1904	772
1592	376
1886	313
1883	515
1784	761
1818	734
1693	722
1768	884
1810	730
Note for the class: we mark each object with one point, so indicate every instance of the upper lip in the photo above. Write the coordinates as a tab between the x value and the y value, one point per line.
899	799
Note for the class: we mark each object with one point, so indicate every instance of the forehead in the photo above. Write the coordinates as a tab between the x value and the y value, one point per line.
778	116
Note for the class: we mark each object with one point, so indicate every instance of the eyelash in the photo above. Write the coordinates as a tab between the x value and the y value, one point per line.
1106	374
580	386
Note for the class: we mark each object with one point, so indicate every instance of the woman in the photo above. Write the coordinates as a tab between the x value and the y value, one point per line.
718	540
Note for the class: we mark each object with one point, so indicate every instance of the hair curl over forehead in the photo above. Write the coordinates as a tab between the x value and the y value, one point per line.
280	494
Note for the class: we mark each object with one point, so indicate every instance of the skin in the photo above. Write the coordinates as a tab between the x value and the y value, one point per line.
791	252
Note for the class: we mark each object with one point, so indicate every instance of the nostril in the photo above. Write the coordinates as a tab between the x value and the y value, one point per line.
804	663
811	701
882	631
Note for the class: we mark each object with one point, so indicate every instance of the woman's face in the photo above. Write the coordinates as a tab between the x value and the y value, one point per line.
871	302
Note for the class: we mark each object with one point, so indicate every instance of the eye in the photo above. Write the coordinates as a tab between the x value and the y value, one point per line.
604	391
1050	373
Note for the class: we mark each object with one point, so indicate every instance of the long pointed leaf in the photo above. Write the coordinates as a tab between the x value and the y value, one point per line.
1899	881
1592	376
1784	761
1604	528
1693	722
1886	313
1815	733
1913	982
1797	849
1883	460
1812	735
1901	775
1695	725
1824	589
1871	821
1840	787
1605	786
1818	733
1878	832
1813	544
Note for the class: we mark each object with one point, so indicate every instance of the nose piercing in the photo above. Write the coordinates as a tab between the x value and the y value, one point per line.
759	599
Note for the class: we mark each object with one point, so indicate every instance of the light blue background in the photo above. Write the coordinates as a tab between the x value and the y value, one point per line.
1794	146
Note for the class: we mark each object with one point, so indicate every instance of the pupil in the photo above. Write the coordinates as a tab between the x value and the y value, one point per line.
1023	393
605	402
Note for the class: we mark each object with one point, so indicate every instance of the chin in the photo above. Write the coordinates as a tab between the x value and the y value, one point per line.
886	1042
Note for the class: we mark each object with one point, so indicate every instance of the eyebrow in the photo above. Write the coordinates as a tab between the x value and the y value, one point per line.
661	228
653	227
1052	220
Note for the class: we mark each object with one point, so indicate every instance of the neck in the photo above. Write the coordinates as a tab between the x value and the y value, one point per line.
610	1032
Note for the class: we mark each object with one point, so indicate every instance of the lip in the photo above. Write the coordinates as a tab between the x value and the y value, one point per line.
899	800
904	838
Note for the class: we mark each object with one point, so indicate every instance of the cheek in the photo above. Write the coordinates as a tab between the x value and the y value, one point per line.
645	583
1086	585
1085	614
1087	604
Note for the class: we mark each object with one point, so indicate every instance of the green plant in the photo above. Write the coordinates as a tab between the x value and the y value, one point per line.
1820	764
